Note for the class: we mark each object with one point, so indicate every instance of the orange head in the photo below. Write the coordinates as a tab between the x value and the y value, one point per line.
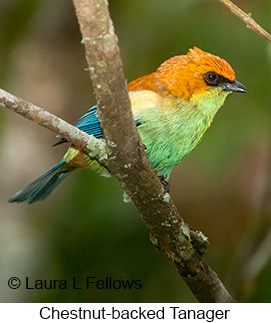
185	75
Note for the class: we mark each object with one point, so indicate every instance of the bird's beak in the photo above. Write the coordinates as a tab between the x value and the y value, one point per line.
235	86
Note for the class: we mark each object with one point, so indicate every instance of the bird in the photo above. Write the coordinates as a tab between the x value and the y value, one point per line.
172	109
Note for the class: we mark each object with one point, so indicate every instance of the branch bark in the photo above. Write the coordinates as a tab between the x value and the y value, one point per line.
130	164
127	159
246	17
89	144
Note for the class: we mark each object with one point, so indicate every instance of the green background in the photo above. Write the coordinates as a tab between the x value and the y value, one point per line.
84	228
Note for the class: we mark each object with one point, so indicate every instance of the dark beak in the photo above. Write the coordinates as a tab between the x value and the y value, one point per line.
234	86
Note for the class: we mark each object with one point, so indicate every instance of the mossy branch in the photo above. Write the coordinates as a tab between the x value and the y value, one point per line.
130	164
127	159
89	144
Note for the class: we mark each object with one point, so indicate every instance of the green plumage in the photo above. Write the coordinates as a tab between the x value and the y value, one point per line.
172	107
169	127
172	127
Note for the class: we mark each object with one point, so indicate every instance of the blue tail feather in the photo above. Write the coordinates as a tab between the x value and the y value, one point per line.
42	186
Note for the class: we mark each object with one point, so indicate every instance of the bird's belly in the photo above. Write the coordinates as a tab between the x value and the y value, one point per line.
165	149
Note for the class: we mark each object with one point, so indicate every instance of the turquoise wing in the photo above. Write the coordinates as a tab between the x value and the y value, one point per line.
90	124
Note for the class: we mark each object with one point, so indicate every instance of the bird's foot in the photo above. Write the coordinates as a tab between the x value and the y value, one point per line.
165	183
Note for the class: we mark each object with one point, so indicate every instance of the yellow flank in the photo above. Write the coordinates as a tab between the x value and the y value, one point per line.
143	98
76	158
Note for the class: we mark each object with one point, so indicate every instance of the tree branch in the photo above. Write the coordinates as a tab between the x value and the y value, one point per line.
130	164
251	23
89	144
127	159
168	230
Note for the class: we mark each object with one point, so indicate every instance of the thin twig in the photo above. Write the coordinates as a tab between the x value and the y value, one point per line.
251	23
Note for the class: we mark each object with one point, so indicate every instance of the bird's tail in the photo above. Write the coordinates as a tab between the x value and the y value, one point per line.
42	186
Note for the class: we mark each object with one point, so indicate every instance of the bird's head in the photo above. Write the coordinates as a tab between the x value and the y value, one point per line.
197	73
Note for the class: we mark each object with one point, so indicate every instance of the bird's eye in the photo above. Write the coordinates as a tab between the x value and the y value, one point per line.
211	78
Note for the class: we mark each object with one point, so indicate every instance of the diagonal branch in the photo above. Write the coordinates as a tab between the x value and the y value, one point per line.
168	230
89	144
127	159
246	17
130	164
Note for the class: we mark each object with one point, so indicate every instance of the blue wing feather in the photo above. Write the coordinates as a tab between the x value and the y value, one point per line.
90	123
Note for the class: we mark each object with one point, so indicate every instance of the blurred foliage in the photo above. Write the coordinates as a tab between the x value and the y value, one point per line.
84	228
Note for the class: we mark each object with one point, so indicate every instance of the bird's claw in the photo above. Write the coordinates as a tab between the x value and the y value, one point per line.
165	183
